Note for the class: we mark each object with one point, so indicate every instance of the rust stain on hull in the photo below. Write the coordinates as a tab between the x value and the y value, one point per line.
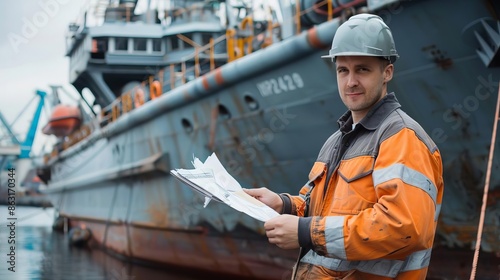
218	254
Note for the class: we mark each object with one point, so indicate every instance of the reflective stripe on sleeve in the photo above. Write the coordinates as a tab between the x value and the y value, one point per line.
417	260
438	210
407	175
334	236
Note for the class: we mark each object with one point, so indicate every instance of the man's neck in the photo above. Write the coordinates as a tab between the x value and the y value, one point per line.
358	116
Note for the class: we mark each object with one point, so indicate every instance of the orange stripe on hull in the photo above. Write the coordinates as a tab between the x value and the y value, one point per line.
218	77
204	80
312	38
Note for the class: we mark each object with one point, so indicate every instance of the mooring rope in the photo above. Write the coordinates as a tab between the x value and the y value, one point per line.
485	193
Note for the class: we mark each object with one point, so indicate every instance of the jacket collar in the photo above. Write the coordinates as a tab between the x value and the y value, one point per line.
375	116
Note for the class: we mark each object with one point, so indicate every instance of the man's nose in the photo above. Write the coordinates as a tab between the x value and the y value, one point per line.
352	80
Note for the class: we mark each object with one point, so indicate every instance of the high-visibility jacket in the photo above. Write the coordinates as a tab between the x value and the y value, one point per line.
374	195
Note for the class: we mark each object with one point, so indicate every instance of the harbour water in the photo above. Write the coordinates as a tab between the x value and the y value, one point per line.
41	253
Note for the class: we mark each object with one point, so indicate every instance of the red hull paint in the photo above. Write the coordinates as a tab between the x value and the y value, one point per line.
217	254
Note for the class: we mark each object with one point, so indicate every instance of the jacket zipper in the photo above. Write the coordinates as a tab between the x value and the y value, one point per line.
343	146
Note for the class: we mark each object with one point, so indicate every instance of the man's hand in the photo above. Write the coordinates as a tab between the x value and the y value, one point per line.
283	231
267	197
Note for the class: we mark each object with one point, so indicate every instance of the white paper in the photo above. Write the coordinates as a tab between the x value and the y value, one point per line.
211	179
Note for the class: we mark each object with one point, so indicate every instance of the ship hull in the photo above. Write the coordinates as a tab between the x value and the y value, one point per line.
120	189
223	255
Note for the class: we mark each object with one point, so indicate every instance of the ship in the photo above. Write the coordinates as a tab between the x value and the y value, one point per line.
246	81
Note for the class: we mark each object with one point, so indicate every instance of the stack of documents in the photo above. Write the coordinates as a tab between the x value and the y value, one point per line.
211	179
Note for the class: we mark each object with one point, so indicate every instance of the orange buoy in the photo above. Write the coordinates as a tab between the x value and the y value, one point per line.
138	97
155	89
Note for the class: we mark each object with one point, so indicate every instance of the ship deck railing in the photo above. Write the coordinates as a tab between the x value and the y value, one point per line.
237	47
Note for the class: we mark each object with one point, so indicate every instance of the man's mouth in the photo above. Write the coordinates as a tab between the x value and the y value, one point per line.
354	93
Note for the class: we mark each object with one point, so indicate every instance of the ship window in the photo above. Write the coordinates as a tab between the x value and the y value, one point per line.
190	37
121	44
224	112
99	47
175	43
187	125
251	103
205	38
140	44
157	45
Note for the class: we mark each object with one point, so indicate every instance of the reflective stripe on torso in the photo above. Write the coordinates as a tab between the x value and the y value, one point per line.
382	267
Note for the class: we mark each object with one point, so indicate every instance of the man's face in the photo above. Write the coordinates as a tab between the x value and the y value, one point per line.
362	82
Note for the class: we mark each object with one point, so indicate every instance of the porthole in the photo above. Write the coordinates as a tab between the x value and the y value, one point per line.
224	112
188	127
251	103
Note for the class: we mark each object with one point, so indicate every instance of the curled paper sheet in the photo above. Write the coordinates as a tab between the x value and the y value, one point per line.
211	179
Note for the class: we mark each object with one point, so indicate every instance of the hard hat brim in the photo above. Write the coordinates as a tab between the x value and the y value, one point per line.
392	58
352	54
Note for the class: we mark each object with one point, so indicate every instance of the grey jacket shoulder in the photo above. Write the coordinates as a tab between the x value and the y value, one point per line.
368	141
329	147
398	120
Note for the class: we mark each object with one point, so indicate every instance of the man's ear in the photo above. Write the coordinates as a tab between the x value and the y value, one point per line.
388	71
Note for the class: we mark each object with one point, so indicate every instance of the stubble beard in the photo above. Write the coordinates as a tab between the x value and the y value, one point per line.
366	104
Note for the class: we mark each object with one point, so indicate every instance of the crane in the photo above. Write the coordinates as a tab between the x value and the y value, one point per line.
20	151
30	136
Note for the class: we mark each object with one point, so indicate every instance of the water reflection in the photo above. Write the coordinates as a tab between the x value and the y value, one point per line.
45	254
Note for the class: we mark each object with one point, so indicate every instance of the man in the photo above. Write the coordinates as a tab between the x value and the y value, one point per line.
370	207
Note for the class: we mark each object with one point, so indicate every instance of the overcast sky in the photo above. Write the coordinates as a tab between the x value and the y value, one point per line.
32	48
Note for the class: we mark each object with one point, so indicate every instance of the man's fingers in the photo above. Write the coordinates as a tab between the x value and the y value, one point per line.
268	227
253	192
273	240
248	191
